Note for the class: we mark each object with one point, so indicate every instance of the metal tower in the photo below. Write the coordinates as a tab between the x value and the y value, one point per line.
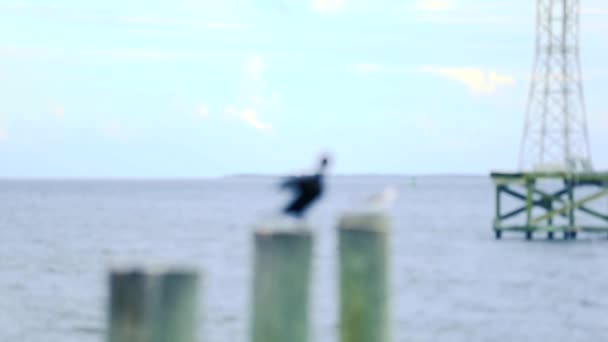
555	133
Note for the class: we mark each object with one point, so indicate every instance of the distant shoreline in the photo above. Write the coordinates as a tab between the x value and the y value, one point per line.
242	176
367	175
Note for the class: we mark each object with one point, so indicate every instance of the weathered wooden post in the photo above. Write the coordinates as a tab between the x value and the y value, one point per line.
364	299
128	307
153	306
281	285
175	316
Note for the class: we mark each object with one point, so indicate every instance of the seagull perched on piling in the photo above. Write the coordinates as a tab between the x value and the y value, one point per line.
380	201
306	190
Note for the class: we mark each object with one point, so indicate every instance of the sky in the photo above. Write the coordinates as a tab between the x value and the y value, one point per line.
187	88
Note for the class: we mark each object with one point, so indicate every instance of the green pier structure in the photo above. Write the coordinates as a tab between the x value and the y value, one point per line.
556	188
551	202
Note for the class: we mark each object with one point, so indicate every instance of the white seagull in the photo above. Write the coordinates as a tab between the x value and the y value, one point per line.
381	201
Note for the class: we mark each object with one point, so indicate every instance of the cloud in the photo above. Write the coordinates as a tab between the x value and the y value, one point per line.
475	79
434	5
467	19
368	67
113	130
202	112
18	51
57	111
275	98
255	97
231	111
147	54
249	116
268	102
185	23
99	16
254	67
382	68
115	54
71	14
327	6
258	100
486	12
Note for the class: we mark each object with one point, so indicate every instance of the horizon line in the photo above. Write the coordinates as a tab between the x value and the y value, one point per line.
241	175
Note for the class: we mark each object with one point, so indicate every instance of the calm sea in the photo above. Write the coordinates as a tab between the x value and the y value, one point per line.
451	281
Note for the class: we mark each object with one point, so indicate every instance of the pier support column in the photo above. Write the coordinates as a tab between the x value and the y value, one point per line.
550	235
497	212
153	306
529	206
281	285
364	302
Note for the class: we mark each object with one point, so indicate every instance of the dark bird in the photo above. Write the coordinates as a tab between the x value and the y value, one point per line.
306	190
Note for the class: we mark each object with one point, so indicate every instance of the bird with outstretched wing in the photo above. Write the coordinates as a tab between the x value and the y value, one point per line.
306	189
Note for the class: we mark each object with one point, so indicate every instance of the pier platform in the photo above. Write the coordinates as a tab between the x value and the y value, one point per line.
550	202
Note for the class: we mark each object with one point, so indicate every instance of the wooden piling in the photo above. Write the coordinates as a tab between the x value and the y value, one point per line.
153	306
129	307
177	302
281	285
364	302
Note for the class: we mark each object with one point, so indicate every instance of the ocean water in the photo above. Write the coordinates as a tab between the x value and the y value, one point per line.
450	279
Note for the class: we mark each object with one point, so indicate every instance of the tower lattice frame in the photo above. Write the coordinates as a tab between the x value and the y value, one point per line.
555	133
